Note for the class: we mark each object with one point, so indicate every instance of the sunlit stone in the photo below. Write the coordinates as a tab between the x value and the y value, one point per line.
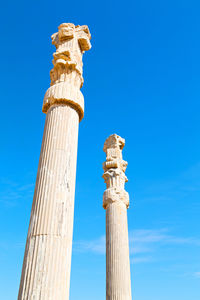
47	258
116	202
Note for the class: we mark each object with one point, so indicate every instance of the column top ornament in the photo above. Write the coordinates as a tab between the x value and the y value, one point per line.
66	76
114	171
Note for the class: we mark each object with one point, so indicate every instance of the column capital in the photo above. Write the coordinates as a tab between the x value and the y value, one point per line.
114	171
66	76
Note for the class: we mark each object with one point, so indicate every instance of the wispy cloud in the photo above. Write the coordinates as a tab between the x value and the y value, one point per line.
96	246
11	245
12	192
147	241
181	187
143	244
197	274
149	236
138	260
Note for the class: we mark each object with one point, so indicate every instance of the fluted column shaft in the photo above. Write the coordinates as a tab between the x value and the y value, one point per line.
116	202
118	284
47	260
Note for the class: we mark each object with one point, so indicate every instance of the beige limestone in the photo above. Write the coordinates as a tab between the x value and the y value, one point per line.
116	202
47	258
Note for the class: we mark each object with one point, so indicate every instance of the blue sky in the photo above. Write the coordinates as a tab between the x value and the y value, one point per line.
142	81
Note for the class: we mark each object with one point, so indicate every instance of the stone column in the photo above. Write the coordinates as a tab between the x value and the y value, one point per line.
47	258
116	202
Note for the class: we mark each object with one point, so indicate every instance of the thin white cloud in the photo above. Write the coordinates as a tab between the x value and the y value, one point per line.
149	236
183	186
197	274
142	259
143	244
12	192
96	246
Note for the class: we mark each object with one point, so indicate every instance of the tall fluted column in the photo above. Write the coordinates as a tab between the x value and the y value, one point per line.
47	258
116	202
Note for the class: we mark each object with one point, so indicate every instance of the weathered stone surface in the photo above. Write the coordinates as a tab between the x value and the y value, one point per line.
47	258
66	76
116	202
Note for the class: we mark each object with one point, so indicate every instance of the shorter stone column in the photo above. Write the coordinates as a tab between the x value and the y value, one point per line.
116	202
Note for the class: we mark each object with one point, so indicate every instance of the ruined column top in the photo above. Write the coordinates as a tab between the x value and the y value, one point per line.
113	147
114	141
68	31
114	172
66	76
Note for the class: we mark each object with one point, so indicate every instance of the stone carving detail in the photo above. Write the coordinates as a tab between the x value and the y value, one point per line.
114	172
66	76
